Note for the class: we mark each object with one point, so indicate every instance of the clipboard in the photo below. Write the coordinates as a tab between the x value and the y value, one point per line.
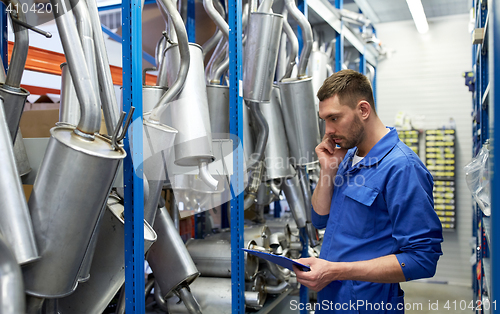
279	260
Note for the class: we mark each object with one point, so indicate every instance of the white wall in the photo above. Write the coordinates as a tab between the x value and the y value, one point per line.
423	76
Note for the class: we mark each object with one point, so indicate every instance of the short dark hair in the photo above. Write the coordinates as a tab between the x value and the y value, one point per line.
350	86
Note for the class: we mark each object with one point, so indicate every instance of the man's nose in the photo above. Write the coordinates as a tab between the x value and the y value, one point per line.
329	129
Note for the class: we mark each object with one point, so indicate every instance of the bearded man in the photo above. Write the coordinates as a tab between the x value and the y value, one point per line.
375	199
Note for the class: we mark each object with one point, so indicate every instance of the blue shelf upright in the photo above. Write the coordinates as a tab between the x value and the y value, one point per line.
339	42
133	163
494	116
236	128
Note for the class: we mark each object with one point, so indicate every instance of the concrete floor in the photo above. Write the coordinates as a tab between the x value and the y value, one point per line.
423	298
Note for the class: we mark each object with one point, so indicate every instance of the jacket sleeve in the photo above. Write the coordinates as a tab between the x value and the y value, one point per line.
319	221
415	226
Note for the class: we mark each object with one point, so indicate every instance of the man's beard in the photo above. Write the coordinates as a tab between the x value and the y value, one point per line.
357	135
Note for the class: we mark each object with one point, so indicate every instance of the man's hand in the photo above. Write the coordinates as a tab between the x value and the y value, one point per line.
322	273
329	155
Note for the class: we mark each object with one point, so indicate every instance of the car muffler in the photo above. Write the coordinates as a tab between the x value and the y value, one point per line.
214	297
108	264
297	96
295	197
168	257
212	257
261	55
16	225
76	159
218	108
277	155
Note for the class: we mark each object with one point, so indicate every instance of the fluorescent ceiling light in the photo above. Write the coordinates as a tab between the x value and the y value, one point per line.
418	14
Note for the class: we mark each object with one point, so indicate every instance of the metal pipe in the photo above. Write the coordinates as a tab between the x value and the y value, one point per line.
69	107
85	31
21	45
275	188
90	120
206	176
282	274
221	69
294	45
210	44
159	50
109	103
160	301
249	200
265	6
263	127
276	289
216	17
189	301
11	282
307	36
183	45
218	56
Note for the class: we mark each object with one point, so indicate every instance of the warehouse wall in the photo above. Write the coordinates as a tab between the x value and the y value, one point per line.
423	76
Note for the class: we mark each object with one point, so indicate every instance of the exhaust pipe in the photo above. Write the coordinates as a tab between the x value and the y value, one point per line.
307	36
90	111
183	46
14	97
69	107
110	106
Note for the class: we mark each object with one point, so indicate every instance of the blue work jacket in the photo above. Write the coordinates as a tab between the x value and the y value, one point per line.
381	206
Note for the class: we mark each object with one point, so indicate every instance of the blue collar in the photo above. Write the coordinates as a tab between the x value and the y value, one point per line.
377	153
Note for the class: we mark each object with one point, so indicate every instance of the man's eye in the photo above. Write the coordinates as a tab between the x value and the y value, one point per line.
333	119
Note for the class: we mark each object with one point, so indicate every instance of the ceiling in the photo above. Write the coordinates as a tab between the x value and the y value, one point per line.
382	11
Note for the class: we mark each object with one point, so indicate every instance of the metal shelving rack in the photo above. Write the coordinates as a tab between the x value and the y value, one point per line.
486	69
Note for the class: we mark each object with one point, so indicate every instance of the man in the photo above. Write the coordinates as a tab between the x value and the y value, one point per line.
375	199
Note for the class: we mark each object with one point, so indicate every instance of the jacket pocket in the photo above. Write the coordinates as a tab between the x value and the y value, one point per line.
358	213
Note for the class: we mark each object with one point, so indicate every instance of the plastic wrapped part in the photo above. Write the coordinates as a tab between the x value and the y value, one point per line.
478	179
261	55
108	264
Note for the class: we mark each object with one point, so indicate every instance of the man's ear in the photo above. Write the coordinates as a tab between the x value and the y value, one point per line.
364	109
